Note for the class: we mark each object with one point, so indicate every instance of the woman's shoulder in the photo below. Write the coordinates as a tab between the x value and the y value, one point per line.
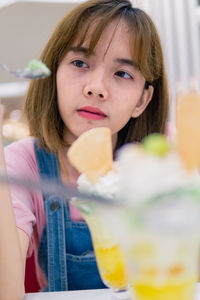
20	153
26	143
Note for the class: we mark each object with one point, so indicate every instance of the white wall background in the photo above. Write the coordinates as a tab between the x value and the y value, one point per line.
178	22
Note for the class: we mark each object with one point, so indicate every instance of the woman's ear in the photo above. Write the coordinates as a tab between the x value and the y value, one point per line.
143	101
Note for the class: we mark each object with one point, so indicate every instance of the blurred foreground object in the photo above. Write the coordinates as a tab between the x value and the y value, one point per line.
155	230
188	129
14	128
36	69
91	154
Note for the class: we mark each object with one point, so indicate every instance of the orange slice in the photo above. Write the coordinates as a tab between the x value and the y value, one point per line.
188	129
91	153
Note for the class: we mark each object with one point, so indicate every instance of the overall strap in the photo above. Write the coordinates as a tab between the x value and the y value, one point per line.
48	167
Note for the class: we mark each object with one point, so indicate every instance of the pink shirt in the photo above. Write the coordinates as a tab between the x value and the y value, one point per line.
28	205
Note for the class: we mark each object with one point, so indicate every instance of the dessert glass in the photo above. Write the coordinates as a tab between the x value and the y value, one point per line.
160	240
110	257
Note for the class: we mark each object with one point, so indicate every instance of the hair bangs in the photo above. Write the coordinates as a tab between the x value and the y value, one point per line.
93	28
143	44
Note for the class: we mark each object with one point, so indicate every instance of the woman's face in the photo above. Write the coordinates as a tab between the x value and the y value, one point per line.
102	90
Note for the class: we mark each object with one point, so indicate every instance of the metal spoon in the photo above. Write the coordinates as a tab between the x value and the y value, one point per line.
35	70
52	187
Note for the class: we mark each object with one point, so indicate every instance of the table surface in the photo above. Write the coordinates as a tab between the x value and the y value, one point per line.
103	294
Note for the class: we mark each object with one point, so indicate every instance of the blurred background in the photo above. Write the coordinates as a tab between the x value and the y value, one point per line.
26	25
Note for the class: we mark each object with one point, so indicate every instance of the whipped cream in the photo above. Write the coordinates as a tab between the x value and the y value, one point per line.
143	176
107	185
138	177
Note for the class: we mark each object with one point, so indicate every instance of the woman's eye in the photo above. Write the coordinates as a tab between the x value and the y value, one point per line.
124	74
80	64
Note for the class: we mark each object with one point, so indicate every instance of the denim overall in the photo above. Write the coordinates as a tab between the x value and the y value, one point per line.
65	252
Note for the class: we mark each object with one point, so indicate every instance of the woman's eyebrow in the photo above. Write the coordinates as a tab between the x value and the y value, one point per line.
125	61
83	50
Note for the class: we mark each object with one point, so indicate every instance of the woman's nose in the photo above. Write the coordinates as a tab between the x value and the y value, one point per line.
96	87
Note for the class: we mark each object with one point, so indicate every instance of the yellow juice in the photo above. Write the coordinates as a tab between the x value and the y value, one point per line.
111	266
109	256
177	290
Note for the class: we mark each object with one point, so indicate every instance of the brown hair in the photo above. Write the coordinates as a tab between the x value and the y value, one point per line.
41	106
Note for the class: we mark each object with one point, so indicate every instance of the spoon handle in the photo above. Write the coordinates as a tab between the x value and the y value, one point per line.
52	187
5	67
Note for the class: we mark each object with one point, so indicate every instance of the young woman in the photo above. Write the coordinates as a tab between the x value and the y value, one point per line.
107	70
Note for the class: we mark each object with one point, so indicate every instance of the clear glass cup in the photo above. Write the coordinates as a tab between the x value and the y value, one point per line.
110	257
160	240
164	266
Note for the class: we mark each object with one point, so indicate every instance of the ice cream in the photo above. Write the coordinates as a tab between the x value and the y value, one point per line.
144	175
39	68
106	186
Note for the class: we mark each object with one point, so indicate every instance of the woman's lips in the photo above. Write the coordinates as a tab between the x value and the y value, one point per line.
92	113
